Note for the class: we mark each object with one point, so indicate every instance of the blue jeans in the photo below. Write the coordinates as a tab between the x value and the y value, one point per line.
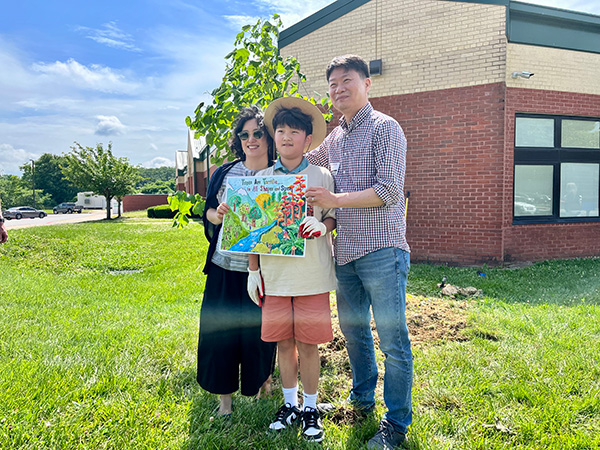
378	279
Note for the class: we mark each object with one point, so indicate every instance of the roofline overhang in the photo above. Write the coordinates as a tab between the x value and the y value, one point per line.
525	24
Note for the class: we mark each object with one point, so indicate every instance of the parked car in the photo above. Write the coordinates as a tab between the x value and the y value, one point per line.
524	209
67	208
18	212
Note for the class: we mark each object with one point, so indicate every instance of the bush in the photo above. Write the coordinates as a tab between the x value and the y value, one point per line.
164	212
160	212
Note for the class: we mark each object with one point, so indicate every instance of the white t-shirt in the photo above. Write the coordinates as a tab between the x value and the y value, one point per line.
314	273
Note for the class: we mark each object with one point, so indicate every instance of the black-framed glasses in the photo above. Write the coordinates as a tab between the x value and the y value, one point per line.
244	135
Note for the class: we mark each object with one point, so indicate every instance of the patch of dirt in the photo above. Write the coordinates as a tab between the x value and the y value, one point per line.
430	320
436	319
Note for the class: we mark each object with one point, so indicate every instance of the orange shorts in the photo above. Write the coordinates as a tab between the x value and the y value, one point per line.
306	318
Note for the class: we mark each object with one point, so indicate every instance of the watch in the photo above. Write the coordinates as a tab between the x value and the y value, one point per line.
1	219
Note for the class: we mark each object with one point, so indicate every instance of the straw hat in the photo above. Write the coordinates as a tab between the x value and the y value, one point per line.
318	121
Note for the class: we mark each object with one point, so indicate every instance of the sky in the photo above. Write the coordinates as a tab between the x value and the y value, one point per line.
126	71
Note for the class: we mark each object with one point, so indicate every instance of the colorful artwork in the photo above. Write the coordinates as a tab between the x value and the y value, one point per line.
265	215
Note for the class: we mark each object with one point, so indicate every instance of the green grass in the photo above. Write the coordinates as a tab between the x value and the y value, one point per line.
98	337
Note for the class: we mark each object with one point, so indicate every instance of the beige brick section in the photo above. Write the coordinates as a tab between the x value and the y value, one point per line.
425	45
554	69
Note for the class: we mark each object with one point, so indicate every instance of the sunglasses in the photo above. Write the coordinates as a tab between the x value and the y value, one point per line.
244	135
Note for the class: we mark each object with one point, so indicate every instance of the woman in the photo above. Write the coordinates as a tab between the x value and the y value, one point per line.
230	351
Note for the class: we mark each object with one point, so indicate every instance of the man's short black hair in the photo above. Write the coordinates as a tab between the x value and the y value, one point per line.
349	62
293	118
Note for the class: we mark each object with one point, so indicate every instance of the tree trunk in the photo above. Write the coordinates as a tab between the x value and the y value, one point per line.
108	199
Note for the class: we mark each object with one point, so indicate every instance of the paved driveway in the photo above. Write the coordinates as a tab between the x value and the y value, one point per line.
56	219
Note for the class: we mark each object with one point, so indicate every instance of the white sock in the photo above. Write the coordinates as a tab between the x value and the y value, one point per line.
310	400
291	395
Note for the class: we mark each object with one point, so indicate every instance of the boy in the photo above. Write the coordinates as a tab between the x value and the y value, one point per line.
296	313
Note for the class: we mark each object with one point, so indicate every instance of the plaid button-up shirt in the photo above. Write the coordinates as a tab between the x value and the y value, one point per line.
368	152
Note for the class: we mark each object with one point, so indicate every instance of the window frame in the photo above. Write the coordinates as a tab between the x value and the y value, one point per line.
552	156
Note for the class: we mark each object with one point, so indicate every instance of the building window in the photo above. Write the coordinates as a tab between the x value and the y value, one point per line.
534	132
557	169
580	134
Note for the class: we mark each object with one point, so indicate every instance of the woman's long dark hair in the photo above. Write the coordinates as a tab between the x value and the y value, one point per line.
246	114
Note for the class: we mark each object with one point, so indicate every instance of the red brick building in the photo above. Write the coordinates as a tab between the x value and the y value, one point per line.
500	104
191	166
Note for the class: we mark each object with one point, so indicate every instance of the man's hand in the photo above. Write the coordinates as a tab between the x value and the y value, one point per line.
255	286
319	196
311	227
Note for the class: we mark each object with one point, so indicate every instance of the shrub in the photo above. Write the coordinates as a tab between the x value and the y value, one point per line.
164	212
160	212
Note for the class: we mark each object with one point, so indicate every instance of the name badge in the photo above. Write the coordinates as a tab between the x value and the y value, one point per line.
334	167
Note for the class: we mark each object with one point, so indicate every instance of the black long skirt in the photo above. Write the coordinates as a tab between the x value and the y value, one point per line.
230	350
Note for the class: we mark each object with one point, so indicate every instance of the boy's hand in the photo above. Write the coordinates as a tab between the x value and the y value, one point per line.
255	286
311	227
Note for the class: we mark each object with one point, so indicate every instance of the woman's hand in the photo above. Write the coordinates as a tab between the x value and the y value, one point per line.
215	216
222	209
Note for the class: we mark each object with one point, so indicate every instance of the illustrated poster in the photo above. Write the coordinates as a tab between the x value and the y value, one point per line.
265	214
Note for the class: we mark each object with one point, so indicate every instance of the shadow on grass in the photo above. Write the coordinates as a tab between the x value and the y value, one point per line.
244	429
247	427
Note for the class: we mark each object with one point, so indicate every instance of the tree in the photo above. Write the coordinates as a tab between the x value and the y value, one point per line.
158	187
156	180
50	179
254	213
126	177
235	201
14	192
255	74
99	171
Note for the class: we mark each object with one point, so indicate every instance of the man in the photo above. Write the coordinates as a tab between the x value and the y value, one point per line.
3	233
366	154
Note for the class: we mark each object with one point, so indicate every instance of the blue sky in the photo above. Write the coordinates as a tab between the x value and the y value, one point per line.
125	71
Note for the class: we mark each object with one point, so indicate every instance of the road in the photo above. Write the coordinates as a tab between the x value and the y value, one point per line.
55	219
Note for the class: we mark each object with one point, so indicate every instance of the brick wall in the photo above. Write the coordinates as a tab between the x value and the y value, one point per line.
140	202
446	68
454	171
424	45
577	71
539	242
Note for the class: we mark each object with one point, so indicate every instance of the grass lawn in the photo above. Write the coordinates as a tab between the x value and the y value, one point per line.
98	337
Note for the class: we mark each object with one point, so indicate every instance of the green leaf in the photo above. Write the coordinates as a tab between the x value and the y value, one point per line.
255	73
280	68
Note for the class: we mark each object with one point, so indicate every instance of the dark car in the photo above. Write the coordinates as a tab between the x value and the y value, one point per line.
67	208
18	212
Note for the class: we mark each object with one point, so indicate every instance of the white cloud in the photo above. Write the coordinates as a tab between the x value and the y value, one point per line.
238	22
158	162
588	6
290	12
12	158
109	126
94	77
112	36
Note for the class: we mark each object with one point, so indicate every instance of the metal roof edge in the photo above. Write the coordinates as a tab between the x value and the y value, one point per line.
546	26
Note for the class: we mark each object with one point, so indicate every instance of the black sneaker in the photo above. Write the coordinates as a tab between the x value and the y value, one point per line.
286	416
386	438
312	428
